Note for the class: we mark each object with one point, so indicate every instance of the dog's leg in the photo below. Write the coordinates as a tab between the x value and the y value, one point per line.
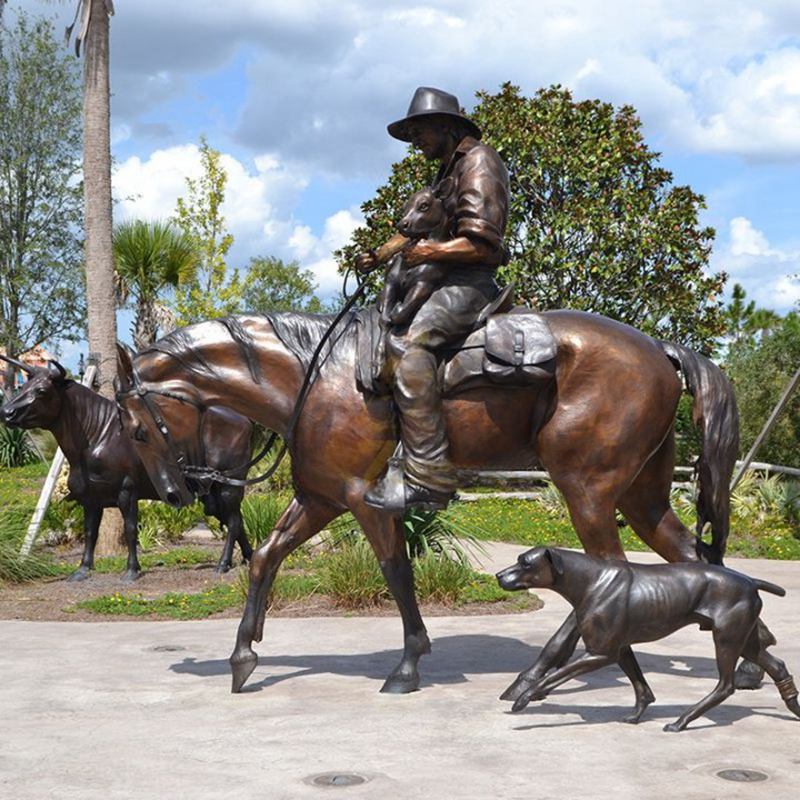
755	652
554	654
729	643
749	675
586	663
644	694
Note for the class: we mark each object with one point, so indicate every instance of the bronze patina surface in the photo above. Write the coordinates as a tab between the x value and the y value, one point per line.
618	604
606	436
105	469
447	301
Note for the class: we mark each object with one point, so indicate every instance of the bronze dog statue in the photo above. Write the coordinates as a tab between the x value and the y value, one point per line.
618	604
425	215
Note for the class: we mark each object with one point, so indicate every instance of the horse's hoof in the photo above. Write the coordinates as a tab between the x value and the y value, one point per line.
401	684
242	666
748	676
632	719
80	574
221	569
132	575
516	690
673	727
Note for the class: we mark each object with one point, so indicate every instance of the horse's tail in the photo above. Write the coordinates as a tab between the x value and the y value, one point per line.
716	414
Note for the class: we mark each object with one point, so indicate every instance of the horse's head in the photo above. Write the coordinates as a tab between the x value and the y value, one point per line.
154	433
38	403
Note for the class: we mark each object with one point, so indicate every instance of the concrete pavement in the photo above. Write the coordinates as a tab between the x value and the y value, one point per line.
143	709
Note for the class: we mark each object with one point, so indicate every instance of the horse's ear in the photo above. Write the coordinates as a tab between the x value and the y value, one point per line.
56	371
124	368
554	557
444	188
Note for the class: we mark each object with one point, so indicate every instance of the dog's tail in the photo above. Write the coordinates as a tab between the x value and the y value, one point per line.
716	414
772	588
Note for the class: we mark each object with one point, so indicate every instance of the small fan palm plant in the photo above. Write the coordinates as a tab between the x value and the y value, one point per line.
150	257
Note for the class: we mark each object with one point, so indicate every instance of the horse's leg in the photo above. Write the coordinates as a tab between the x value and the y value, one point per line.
647	508
385	534
129	506
591	508
304	517
91	525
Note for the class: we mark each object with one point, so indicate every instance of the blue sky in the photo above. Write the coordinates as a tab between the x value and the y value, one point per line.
297	96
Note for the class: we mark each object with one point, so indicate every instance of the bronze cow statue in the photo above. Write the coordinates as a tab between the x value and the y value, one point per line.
105	469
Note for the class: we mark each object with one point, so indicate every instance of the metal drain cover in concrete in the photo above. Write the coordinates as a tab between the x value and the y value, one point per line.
742	775
336	779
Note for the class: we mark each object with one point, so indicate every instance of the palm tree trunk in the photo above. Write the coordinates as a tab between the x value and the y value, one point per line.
100	290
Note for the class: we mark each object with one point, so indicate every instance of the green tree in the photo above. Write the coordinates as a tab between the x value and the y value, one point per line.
594	222
211	293
744	322
274	285
150	257
41	280
761	370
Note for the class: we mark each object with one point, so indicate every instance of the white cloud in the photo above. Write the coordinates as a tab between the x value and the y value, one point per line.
315	253
258	208
765	271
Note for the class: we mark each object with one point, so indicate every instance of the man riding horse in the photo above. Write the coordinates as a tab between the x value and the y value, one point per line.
478	196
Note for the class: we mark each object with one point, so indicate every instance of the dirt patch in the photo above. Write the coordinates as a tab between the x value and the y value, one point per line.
55	599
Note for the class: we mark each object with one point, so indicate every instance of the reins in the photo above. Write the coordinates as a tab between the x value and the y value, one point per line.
205	473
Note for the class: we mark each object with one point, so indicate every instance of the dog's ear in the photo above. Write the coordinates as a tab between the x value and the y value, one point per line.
554	557
444	188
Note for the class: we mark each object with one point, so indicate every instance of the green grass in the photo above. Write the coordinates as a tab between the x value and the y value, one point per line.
178	557
175	605
525	522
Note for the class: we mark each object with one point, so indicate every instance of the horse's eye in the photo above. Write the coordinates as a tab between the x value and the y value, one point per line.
423	206
139	433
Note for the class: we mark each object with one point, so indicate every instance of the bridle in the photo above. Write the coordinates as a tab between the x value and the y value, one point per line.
212	474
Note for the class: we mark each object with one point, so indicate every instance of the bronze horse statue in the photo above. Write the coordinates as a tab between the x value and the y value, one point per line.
105	469
604	429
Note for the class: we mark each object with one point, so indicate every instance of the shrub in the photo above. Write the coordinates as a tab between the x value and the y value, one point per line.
260	514
440	579
14	567
159	520
352	576
431	532
16	448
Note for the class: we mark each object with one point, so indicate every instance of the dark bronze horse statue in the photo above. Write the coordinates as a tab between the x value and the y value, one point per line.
604	429
105	469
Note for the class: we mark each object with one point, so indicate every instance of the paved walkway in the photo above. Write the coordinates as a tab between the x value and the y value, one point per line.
143	710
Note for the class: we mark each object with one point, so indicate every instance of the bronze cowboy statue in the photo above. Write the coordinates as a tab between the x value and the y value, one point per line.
477	196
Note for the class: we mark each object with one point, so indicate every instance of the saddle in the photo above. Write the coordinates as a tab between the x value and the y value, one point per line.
510	348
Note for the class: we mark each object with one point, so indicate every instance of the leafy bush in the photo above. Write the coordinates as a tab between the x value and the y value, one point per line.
63	520
440	579
260	514
432	532
161	520
16	449
14	567
352	576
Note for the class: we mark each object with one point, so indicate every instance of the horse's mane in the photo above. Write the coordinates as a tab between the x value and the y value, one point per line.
301	334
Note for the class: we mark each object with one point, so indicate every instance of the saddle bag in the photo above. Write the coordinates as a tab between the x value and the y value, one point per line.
519	349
